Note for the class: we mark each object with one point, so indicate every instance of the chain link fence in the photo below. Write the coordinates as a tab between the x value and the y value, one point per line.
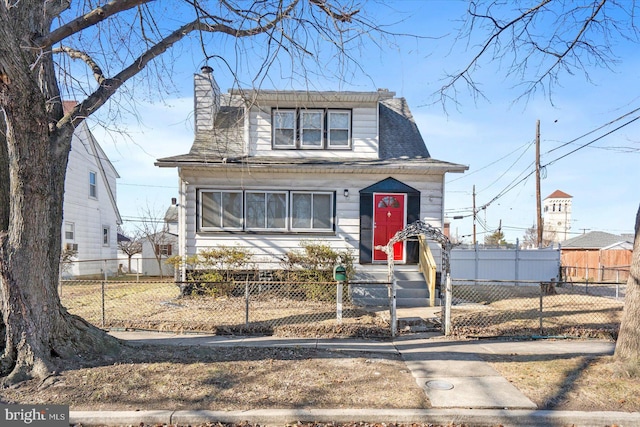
600	274
110	268
486	308
300	309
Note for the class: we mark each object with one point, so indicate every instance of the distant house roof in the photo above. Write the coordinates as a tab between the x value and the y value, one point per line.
171	215
559	195
123	238
595	240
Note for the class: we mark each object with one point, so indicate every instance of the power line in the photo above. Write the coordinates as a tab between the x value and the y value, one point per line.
595	130
593	140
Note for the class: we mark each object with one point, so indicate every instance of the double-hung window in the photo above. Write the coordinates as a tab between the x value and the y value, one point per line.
284	129
69	231
221	210
93	185
311	129
339	129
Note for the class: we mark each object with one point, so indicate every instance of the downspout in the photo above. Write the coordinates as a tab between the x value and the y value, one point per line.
182	226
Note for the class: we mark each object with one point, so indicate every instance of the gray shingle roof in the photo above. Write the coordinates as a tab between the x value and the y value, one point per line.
593	240
399	134
226	138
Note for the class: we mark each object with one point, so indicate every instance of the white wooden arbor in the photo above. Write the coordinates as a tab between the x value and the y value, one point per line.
417	228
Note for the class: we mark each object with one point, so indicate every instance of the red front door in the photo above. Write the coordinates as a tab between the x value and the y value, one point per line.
388	219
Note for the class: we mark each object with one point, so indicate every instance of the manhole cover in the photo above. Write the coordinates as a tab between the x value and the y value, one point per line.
439	385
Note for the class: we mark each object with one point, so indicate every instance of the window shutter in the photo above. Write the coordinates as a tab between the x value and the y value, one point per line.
168	250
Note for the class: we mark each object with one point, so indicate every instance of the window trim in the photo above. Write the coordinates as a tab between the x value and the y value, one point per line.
266	192
163	249
304	112
288	223
298	131
202	227
348	129
106	236
73	231
275	112
93	186
312	229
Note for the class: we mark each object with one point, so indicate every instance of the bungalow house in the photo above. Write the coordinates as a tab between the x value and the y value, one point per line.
270	169
161	244
597	256
90	214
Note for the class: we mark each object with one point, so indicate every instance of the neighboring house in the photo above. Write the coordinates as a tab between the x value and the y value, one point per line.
557	217
597	256
270	169
90	214
162	244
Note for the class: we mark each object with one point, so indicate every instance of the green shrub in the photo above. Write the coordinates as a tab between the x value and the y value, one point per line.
213	270
314	264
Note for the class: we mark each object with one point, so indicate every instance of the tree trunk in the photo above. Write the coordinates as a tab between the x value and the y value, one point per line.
628	344
38	330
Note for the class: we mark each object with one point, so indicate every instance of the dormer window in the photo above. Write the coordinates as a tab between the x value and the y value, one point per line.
311	129
284	129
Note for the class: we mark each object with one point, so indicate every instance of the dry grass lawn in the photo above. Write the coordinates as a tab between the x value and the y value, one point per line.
164	377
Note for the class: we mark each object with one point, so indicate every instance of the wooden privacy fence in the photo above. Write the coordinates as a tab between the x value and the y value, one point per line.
598	265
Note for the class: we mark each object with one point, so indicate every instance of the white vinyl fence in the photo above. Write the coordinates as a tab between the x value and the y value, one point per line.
506	264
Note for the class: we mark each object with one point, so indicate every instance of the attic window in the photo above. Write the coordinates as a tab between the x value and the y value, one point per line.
311	129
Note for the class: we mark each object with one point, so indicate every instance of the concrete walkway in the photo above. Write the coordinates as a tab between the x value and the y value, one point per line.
461	387
454	375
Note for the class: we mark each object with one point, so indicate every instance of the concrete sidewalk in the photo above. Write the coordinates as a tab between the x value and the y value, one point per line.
462	388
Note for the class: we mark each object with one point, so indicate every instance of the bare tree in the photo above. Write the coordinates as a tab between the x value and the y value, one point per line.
155	231
538	44
117	42
130	247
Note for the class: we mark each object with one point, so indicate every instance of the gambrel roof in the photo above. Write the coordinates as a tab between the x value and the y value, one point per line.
400	143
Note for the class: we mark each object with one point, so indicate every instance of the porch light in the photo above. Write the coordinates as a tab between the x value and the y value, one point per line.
346	192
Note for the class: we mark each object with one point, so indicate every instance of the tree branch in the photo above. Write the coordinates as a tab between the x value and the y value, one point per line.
108	86
83	56
85	21
465	74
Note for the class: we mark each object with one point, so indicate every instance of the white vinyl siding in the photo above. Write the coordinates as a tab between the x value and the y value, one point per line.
363	135
346	220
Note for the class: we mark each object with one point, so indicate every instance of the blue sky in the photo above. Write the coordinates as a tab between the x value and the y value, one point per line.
494	137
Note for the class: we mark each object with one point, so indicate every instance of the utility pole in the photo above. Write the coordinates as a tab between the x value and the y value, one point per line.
538	201
474	215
